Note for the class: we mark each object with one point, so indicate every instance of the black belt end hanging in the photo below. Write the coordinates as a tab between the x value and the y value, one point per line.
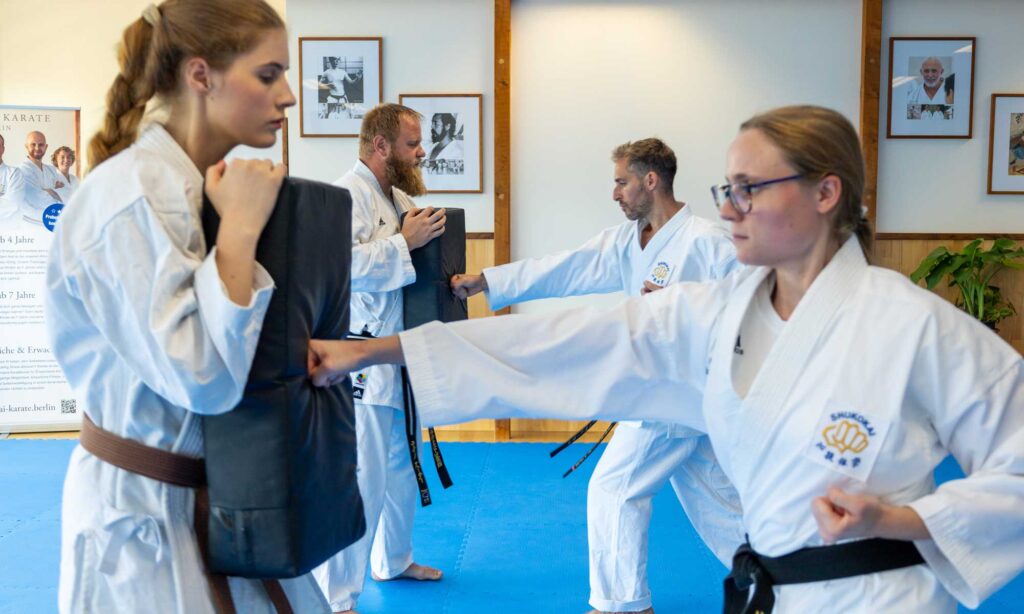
575	438
412	430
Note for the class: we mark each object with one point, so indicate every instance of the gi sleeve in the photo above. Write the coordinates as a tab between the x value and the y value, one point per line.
636	361
593	268
973	383
719	255
167	313
379	265
14	191
32	193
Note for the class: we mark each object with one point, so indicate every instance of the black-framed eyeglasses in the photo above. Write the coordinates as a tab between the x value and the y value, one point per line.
741	195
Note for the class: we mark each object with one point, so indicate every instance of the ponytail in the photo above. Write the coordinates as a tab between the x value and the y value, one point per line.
127	97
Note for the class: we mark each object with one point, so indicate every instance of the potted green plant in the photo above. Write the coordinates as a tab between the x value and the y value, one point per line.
971	270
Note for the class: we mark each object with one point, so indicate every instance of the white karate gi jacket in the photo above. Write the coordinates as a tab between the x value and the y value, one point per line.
686	248
12	189
381	267
70	185
147	337
35	199
918	95
880	373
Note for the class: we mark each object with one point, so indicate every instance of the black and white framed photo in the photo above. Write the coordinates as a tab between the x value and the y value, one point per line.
931	87
341	79
452	138
1006	145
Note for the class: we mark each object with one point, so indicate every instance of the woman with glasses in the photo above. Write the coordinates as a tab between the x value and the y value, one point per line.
831	390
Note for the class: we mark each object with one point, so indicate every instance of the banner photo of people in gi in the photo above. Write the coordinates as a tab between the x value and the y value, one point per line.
40	168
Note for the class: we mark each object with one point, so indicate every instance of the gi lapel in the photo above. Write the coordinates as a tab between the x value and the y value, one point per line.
785	362
657	255
384	207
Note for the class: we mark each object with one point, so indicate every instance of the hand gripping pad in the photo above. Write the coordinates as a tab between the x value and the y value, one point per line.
281	465
430	297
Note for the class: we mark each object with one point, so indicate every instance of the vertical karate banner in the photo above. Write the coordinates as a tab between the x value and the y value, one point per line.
34	396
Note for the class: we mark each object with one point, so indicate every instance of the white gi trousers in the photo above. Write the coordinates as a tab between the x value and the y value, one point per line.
390	496
636	464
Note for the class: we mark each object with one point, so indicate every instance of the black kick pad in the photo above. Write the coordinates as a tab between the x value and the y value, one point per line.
281	465
430	297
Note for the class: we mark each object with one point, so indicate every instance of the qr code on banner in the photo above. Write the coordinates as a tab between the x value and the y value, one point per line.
68	406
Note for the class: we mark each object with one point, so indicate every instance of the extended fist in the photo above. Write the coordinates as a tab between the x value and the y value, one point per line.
465	286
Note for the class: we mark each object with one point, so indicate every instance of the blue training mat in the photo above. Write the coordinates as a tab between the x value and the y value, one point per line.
510	536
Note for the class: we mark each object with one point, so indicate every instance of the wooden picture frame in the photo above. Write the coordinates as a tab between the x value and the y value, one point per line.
340	79
916	109
1006	144
453	139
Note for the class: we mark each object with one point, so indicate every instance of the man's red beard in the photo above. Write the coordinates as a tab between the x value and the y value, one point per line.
405	176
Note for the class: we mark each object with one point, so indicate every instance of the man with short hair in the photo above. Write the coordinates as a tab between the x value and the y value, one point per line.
334	80
442	134
382	183
41	180
12	187
927	98
931	83
661	242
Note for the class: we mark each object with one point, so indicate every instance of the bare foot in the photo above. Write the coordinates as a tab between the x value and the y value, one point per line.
347	612
414	572
647	611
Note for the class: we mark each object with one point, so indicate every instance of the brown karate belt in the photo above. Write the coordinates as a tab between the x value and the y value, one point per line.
178	470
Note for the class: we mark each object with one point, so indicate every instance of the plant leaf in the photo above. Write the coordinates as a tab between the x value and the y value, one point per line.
928	263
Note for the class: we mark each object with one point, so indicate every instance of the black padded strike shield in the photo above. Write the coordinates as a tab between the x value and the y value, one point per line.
281	465
430	297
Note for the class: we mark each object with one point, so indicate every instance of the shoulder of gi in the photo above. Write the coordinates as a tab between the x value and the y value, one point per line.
132	179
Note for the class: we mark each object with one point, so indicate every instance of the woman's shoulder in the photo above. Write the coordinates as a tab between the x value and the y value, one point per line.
891	298
132	180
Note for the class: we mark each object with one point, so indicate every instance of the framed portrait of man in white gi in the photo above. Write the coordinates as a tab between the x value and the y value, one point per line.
1006	145
931	87
452	137
340	80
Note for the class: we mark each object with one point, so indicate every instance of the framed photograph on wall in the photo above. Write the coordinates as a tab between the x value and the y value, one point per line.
341	79
1006	145
453	140
931	87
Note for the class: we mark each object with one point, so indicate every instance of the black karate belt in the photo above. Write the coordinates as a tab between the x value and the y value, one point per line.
573	440
412	429
817	564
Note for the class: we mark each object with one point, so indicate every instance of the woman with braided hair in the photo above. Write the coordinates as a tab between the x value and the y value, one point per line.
151	328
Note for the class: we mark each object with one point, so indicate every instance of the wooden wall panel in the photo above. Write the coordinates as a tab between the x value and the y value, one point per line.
904	255
553	430
479	254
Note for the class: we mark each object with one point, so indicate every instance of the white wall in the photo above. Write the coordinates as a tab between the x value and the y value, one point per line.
936	186
589	75
428	47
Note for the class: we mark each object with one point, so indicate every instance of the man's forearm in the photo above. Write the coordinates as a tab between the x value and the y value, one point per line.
381	351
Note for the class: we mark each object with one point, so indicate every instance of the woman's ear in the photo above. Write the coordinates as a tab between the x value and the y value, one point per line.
830	189
197	75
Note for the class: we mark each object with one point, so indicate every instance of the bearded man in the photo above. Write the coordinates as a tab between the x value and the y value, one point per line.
442	134
382	183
